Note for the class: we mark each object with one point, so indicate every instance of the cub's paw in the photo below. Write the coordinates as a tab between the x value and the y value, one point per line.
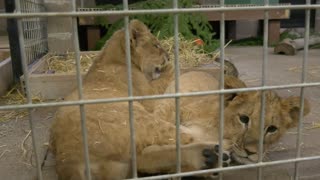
212	157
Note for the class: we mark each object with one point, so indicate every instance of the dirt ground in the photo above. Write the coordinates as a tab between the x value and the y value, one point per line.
15	139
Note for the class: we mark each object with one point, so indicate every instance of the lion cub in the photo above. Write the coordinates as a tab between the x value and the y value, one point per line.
108	123
200	114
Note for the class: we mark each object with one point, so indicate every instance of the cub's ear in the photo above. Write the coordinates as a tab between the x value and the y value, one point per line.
231	82
136	30
291	106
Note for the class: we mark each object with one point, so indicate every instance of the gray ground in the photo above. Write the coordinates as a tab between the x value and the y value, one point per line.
281	70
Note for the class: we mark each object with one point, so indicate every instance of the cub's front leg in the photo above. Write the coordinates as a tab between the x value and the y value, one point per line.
195	156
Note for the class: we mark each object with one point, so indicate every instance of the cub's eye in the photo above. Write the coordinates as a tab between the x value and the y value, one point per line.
271	129
244	119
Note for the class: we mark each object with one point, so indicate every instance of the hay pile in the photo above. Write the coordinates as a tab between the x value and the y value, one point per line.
14	96
190	53
66	63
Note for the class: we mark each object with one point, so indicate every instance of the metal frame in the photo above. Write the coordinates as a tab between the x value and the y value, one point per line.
34	30
176	11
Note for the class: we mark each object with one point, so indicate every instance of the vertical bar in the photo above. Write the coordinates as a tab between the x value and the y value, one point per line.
263	83
303	80
177	82
130	93
221	87
27	89
80	93
13	34
81	3
34	39
38	45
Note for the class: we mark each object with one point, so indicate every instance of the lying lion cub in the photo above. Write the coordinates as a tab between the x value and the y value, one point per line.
108	124
200	115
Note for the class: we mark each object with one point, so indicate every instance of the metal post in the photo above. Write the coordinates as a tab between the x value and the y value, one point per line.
263	83
130	93
221	87
80	94
303	80
27	89
177	85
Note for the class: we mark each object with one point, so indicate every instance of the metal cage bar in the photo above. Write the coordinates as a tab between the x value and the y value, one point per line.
149	97
263	83
177	85
303	80
221	87
232	168
28	92
35	44
155	11
130	93
176	11
80	94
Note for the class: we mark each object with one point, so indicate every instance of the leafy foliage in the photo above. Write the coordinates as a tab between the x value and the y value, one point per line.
251	41
287	34
191	26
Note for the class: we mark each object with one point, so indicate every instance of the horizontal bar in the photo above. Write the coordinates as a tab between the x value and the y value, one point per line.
231	168
154	11
162	96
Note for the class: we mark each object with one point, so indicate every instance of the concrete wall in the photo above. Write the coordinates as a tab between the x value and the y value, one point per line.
60	32
60	37
3	22
317	19
242	29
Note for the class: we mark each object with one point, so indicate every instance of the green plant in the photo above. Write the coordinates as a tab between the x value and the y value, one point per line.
287	34
191	26
251	41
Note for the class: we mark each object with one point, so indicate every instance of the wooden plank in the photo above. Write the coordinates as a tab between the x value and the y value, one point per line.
6	75
212	16
52	86
93	35
4	54
4	42
274	32
248	15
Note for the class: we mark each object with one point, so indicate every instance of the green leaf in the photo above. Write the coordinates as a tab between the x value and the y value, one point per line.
191	26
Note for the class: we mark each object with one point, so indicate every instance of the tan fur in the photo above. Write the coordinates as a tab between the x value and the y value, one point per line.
108	124
282	113
200	114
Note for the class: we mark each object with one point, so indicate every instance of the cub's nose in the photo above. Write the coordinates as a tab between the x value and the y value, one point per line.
157	70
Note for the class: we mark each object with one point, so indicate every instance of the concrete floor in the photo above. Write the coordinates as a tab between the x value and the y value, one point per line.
281	70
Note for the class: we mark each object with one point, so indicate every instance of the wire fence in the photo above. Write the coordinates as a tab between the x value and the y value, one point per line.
31	25
34	30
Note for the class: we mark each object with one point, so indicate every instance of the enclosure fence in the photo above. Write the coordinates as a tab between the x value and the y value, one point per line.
28	20
34	30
